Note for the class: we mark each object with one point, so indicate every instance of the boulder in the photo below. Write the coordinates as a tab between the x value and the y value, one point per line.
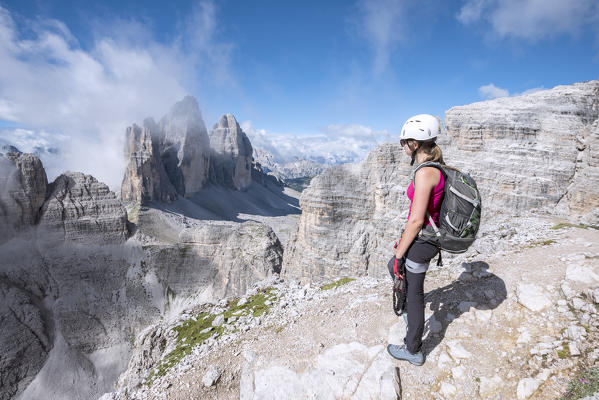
533	297
349	371
527	387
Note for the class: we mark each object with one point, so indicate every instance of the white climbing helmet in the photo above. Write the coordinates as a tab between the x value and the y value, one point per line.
422	127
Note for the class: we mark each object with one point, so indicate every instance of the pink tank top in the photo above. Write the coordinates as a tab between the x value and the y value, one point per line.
434	202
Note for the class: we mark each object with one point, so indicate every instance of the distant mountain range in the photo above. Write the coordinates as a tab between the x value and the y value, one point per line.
292	157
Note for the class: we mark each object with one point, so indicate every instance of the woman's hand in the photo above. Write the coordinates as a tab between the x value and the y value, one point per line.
396	248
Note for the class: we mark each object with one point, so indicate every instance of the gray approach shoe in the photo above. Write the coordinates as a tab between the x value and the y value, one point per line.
401	353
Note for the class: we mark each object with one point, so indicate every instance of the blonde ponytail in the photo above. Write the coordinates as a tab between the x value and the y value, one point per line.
432	152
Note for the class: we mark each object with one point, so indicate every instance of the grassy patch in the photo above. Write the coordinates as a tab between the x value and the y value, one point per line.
298	184
547	242
189	334
565	352
256	305
194	331
336	284
585	384
563	225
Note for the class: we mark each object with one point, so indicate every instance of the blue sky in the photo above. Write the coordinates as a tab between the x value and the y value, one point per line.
79	73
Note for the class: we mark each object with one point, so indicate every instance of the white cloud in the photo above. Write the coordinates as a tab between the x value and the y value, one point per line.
471	11
491	91
532	20
334	144
381	24
53	87
530	91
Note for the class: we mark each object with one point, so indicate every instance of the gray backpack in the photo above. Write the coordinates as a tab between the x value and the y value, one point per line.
461	208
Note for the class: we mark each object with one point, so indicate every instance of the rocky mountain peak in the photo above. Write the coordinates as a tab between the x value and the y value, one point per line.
23	185
178	156
184	118
232	153
10	149
81	209
227	137
226	121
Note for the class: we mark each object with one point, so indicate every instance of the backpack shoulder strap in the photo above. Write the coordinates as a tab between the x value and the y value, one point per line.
427	164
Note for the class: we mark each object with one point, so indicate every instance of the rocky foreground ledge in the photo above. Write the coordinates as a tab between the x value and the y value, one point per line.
519	323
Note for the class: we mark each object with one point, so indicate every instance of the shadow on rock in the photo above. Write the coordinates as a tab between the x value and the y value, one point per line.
475	288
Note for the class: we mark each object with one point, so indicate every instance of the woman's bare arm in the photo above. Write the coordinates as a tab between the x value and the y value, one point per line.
425	180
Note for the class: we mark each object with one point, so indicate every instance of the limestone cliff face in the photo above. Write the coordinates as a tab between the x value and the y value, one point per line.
176	157
530	153
351	215
232	154
145	176
22	191
582	195
185	147
523	151
167	159
76	288
81	209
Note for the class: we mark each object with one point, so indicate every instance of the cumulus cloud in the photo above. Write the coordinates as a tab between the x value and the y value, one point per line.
81	100
332	145
380	23
532	20
491	91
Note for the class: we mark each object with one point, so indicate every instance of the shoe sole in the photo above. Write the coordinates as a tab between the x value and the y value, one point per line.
403	359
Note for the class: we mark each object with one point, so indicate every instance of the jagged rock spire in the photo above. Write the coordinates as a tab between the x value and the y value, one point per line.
232	153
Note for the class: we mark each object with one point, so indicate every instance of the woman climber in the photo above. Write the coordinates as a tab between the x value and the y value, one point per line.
418	138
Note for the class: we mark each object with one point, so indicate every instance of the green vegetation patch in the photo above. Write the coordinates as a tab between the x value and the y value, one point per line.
255	305
298	184
565	352
563	225
190	333
585	384
336	284
198	329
